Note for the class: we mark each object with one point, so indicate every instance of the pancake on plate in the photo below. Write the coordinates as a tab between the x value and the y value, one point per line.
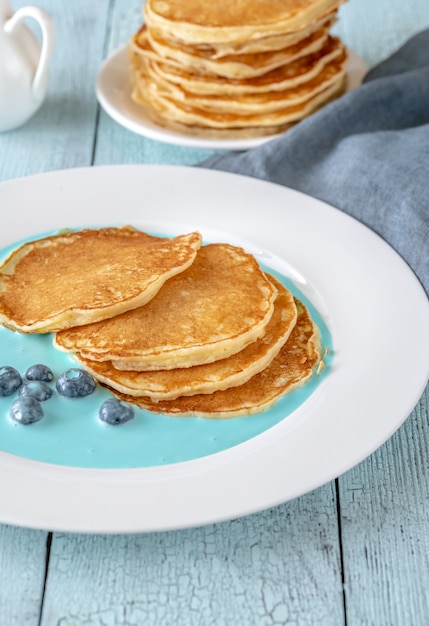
236	66
215	308
222	374
253	109
267	43
205	22
81	277
285	77
248	69
297	361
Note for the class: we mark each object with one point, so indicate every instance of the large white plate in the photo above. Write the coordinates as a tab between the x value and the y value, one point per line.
363	289
113	90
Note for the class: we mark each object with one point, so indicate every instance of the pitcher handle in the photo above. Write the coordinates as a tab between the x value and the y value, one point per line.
48	37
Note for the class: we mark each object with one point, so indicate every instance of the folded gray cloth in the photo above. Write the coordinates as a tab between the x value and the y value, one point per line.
366	153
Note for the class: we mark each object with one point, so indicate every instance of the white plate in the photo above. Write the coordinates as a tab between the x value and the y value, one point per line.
348	272
113	90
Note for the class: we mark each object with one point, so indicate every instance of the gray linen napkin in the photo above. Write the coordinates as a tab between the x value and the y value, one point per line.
366	153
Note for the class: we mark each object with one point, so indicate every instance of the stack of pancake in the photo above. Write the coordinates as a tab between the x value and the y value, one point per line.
250	68
167	324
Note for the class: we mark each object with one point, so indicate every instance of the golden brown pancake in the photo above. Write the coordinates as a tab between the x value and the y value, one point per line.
253	103
237	66
295	364
201	22
251	68
81	277
277	41
287	76
169	110
215	308
230	372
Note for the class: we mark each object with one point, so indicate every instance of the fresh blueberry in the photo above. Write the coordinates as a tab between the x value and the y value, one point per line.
26	410
75	383
115	412
36	389
39	372
10	380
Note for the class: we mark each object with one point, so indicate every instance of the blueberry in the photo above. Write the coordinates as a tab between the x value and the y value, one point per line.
10	380
26	410
36	389
75	383
114	412
39	372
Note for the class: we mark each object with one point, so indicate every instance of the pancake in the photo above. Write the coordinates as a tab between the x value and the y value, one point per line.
232	371
168	110
285	77
214	309
253	103
251	68
278	41
228	132
237	67
77	278
202	22
295	364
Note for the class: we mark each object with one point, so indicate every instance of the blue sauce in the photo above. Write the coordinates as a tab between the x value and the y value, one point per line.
71	433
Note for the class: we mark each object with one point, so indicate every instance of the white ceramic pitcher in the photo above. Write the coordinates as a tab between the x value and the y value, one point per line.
23	64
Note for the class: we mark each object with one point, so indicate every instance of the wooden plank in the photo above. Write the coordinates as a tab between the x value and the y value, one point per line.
281	566
385	522
375	30
22	574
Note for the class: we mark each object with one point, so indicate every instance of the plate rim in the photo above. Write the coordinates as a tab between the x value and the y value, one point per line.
106	97
186	474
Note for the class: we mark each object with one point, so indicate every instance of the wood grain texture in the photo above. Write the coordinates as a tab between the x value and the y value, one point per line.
280	566
385	529
376	29
22	574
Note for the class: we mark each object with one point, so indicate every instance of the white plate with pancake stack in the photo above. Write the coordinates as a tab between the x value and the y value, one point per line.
200	77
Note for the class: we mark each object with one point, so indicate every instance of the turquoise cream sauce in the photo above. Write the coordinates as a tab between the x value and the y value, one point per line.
71	434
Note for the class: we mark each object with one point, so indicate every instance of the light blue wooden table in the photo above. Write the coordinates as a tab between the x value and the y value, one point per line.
353	552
